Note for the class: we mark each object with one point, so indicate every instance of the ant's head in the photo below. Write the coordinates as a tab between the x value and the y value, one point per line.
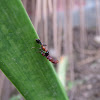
47	53
38	41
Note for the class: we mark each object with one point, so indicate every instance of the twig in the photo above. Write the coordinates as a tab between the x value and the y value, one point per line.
38	13
89	60
55	25
97	17
82	28
45	21
50	6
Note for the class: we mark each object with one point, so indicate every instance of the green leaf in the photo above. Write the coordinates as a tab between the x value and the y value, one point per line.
62	70
17	97
31	73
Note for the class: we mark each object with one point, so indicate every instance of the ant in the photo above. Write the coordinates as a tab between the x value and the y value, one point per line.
42	45
46	54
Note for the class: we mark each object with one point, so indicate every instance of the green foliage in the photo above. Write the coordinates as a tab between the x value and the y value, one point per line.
30	72
62	70
18	97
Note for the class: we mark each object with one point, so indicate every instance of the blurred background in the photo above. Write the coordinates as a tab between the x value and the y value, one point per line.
71	30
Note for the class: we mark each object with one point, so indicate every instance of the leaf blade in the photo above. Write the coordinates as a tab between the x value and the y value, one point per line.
29	71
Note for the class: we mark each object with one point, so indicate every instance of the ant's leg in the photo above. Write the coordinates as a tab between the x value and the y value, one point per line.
44	45
37	48
41	51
